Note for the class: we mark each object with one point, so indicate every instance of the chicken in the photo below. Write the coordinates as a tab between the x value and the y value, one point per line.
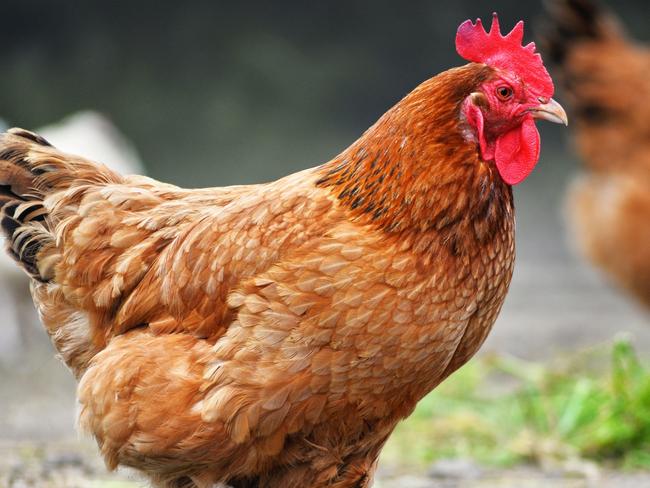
606	77
273	335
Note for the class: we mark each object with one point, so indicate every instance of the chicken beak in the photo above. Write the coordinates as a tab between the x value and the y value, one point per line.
551	111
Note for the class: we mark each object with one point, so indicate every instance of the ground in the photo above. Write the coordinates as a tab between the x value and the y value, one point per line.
76	465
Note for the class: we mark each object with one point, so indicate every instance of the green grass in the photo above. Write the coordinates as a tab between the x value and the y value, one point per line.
503	411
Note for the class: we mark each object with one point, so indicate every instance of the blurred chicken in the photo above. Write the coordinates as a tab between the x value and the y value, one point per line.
273	335
606	77
86	132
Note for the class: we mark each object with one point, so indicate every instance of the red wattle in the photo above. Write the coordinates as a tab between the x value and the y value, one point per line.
517	152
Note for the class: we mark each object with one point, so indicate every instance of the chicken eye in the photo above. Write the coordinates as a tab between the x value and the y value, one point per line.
504	92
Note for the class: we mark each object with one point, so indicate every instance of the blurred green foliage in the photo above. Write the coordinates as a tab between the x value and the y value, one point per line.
595	405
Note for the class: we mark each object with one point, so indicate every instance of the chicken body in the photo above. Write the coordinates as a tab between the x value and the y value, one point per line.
267	335
606	77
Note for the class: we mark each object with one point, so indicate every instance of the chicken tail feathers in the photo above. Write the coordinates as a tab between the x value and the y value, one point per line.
23	216
31	169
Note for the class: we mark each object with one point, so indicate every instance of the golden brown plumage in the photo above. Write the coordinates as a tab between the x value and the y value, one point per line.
271	335
606	77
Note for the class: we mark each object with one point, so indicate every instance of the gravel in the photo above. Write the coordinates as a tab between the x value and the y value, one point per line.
76	464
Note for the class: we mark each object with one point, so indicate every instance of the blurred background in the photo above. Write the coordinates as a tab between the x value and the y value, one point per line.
208	93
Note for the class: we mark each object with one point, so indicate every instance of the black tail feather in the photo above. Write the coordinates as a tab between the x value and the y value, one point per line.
23	218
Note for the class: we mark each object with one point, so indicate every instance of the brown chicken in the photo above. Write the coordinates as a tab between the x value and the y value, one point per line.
273	335
606	77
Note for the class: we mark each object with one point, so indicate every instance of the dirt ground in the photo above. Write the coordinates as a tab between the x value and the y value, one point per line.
75	464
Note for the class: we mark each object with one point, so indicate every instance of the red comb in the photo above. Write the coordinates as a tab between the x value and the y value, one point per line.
504	52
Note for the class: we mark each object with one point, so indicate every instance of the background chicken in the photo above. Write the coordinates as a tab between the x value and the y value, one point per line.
606	78
273	335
